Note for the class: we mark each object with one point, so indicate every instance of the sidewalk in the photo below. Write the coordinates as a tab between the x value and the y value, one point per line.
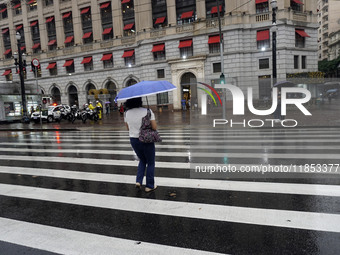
325	115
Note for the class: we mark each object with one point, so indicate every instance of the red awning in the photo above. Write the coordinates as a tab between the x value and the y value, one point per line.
18	27
214	39
35	46
49	19
158	47
3	10
214	9
84	11
106	57
17	6
185	44
52	42
186	15
4	31
22	47
51	65
66	15
86	60
69	39
260	1
68	63
7	72
263	35
7	51
128	53
125	1
33	23
104	5
160	20
107	31
31	2
87	35
129	26
297	2
301	32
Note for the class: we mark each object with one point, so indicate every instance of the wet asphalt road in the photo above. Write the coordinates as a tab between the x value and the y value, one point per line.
58	189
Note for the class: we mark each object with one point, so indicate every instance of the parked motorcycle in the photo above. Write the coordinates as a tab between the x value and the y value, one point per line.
74	114
89	114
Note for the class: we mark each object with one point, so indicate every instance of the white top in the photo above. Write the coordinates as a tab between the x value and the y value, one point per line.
134	118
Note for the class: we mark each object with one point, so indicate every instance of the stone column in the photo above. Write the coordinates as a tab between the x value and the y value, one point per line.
143	15
117	18
171	6
200	9
77	26
96	21
59	25
42	28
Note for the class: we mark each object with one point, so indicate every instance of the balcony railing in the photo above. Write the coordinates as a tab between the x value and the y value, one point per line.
184	28
158	33
214	22
262	17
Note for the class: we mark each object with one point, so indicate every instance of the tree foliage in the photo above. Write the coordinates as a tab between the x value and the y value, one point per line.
329	67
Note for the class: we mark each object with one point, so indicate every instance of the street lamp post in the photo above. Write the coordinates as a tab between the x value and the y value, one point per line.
20	61
273	4
222	77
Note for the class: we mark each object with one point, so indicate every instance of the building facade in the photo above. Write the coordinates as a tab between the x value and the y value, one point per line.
87	47
334	45
329	22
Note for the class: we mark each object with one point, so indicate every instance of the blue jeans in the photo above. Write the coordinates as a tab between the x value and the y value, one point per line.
146	155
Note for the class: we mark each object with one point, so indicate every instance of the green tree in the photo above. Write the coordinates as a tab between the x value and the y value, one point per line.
330	68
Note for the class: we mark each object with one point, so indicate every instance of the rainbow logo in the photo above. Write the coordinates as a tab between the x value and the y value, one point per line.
209	93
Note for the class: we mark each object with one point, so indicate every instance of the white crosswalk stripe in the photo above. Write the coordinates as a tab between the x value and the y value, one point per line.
94	173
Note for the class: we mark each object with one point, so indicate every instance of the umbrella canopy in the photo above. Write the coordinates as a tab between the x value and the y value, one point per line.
107	102
144	88
332	90
284	84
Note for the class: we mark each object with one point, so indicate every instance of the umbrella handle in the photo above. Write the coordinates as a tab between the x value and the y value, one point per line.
147	102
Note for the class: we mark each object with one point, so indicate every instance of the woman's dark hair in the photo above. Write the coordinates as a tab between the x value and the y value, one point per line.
134	103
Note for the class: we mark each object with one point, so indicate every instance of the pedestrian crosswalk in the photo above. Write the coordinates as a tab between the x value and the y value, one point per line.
73	193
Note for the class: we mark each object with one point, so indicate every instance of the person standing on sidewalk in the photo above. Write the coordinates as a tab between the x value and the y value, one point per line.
144	151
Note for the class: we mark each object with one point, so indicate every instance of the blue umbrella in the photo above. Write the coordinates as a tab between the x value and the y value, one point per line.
284	83
144	88
332	90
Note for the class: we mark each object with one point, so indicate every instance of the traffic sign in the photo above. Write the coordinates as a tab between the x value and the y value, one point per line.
35	62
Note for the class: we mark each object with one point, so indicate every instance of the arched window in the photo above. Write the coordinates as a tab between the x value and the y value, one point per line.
56	98
111	87
131	82
73	96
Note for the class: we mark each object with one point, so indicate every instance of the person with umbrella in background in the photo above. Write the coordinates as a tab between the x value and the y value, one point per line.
107	107
133	120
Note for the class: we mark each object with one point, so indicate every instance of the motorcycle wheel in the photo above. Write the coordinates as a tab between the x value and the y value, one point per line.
95	117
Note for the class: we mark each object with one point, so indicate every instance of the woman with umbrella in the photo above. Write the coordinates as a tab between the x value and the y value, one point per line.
133	120
144	151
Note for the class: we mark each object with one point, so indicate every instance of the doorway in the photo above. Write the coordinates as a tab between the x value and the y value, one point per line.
189	90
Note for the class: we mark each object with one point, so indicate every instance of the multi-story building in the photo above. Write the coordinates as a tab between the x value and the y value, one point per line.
329	22
334	45
90	44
